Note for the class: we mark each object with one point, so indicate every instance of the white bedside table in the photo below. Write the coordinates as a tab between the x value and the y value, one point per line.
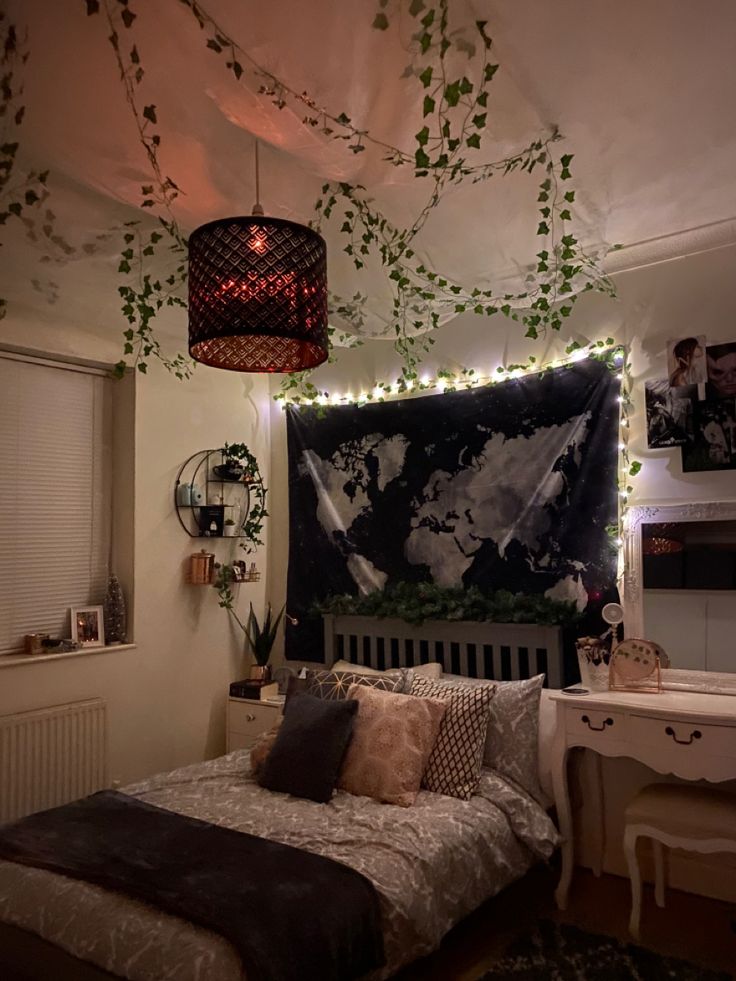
248	718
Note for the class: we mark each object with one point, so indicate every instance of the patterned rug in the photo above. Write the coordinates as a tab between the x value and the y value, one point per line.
558	952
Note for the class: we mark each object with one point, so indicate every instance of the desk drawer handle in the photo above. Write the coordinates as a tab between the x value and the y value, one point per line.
695	734
606	722
250	718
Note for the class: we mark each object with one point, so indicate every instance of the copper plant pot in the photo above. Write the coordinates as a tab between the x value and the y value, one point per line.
260	672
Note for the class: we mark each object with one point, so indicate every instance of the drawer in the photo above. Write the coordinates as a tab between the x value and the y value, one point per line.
251	718
238	740
595	723
692	741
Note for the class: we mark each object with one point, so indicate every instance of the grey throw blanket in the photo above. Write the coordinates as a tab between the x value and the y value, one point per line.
291	915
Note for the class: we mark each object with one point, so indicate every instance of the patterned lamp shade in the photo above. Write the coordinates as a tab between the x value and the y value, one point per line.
257	295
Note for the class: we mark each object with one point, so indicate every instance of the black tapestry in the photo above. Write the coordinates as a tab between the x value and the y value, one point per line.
506	487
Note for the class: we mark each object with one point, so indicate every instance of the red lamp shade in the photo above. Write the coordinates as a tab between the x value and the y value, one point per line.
257	295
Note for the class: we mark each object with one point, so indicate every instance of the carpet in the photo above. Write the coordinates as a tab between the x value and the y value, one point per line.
558	952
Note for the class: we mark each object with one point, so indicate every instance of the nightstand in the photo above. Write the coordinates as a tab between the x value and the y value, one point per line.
248	718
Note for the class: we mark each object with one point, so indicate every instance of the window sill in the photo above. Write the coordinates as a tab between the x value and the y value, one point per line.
11	660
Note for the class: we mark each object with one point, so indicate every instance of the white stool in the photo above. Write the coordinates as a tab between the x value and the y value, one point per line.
697	819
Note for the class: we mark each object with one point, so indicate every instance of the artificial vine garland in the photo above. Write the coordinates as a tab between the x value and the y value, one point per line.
454	120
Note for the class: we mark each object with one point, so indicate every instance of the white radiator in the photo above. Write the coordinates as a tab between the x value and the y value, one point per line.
51	756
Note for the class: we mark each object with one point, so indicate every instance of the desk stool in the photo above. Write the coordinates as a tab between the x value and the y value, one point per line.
690	817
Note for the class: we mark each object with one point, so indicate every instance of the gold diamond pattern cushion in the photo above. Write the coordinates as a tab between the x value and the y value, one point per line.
335	684
455	763
393	735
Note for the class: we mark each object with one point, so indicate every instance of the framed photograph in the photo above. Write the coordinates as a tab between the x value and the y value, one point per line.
686	361
88	627
670	414
721	360
714	447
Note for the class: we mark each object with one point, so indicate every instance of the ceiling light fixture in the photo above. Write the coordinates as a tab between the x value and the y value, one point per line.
257	293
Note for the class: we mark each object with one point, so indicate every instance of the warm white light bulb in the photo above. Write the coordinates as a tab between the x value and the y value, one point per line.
579	355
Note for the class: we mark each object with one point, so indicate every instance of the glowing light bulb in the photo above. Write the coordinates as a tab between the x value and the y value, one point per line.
336	398
618	356
377	392
579	355
441	384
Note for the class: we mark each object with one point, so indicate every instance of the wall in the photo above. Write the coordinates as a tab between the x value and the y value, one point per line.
166	698
677	298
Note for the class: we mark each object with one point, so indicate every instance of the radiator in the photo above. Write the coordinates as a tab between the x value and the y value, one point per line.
51	756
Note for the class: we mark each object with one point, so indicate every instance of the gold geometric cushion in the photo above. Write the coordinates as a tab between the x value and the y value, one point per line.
335	684
393	735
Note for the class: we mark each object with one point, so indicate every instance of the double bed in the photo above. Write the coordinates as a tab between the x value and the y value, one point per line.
431	864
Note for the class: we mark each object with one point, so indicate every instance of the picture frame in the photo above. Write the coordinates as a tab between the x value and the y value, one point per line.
88	626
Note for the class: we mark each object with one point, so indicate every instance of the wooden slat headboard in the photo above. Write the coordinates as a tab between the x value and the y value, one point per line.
499	651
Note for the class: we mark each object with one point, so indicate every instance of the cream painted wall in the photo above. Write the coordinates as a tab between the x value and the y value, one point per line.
166	698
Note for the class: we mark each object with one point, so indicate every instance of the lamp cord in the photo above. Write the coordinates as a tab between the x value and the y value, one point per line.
258	207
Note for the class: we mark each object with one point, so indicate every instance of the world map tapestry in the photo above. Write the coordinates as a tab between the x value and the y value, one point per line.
509	486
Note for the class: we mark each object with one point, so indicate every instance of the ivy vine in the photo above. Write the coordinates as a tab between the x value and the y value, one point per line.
454	121
252	526
417	602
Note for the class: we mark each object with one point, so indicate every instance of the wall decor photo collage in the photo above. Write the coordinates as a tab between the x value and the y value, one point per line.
695	406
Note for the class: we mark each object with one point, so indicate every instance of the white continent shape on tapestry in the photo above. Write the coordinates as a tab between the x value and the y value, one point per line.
342	484
509	495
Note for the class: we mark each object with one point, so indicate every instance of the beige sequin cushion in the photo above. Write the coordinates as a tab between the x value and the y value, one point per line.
261	748
393	736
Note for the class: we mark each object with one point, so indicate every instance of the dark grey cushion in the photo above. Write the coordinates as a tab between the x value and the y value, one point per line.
305	759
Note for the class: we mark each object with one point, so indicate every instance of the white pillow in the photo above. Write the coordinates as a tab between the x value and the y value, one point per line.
433	670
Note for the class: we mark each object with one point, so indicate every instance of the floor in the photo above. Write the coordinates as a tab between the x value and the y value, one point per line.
691	927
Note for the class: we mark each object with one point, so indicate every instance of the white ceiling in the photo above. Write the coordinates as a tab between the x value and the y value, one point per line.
643	91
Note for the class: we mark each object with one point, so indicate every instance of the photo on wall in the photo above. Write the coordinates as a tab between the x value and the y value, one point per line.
670	414
721	363
686	363
714	446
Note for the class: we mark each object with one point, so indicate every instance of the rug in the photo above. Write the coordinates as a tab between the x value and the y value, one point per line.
558	952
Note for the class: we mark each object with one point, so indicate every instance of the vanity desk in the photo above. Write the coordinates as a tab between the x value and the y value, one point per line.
690	734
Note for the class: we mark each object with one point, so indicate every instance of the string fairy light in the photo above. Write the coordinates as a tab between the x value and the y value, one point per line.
446	380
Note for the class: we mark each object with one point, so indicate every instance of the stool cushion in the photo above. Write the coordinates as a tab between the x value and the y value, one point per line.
688	811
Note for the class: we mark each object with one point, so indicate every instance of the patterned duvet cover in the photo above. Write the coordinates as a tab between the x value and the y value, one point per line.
431	864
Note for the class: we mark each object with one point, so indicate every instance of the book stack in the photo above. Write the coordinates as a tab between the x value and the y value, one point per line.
254	688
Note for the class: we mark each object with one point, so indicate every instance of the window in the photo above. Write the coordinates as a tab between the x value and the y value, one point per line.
55	495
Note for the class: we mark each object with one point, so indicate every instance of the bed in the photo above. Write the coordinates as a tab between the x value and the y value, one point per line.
431	865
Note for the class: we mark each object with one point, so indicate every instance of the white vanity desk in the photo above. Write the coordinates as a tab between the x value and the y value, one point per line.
689	734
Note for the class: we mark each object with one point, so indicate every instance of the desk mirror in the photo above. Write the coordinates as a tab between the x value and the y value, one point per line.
680	585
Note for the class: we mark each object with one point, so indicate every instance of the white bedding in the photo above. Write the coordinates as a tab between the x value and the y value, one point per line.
431	864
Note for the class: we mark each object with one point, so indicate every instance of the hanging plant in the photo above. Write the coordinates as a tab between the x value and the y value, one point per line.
249	473
454	121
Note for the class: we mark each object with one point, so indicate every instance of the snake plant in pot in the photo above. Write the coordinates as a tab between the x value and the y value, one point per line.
260	637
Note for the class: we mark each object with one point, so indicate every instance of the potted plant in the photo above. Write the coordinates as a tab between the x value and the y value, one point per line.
260	637
229	528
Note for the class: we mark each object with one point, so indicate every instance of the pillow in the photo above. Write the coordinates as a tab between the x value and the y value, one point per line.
309	747
261	748
335	684
455	763
431	670
512	739
392	739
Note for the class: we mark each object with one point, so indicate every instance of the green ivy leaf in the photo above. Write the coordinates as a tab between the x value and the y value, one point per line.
149	113
429	105
426	77
380	22
422	137
452	93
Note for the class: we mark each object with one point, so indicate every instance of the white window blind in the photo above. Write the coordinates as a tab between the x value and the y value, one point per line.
55	496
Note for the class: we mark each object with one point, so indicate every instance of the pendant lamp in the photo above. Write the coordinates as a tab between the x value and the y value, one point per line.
257	293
